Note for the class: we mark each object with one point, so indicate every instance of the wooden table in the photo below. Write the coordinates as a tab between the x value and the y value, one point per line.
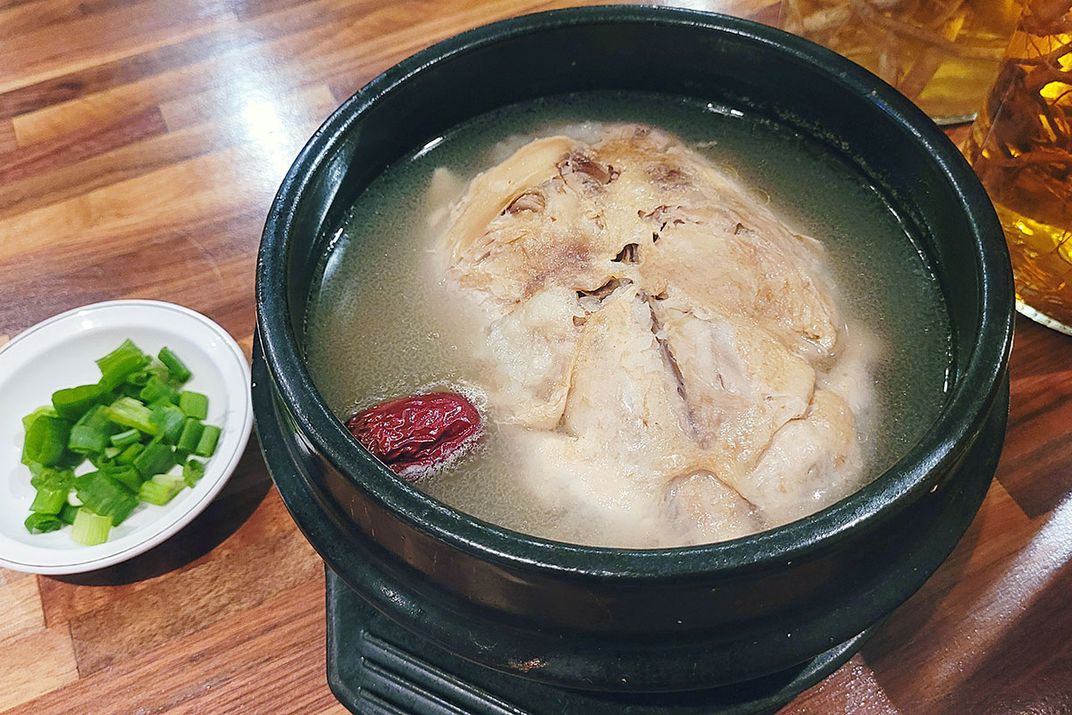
141	142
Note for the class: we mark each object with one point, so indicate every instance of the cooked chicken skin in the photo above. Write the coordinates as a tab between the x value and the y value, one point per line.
666	354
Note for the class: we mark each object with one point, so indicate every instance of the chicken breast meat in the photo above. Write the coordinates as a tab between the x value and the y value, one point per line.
667	355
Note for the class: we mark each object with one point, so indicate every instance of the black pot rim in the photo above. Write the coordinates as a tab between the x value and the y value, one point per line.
914	474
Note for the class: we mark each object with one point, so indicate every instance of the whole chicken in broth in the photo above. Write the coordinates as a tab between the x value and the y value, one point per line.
668	360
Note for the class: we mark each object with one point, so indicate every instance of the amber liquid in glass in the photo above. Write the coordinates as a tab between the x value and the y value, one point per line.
1021	148
941	54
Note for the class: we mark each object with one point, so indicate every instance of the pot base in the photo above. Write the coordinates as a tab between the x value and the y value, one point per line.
376	667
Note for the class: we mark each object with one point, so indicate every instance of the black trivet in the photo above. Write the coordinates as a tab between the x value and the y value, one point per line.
375	667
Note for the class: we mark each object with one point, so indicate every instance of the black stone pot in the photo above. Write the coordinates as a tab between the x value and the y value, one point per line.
613	619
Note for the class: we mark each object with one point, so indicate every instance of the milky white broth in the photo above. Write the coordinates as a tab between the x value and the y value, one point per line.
382	322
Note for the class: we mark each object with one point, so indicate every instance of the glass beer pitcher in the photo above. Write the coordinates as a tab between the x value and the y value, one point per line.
1021	148
941	54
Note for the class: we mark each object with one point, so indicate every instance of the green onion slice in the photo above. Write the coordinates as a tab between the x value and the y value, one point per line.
126	438
161	489
128	412
90	529
45	410
191	435
179	372
192	471
49	500
206	446
105	496
155	458
169	420
194	404
67	513
73	402
86	440
46	440
42	523
117	365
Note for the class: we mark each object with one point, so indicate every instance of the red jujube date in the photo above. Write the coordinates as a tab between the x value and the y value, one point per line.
415	433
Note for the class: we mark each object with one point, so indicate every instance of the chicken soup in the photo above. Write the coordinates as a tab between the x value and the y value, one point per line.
678	324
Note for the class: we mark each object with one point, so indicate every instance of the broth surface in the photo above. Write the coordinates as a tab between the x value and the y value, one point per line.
382	322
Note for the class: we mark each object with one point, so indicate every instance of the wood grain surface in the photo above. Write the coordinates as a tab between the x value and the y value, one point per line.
141	142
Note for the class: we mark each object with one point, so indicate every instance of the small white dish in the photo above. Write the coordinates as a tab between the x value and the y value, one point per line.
60	352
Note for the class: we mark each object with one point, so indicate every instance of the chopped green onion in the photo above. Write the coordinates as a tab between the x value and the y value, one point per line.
156	389
179	372
128	390
159	369
161	489
194	404
42	523
127	455
169	421
99	460
134	425
97	418
127	438
162	402
155	368
46	441
53	478
106	496
73	402
192	471
138	378
117	365
49	500
156	458
129	412
206	446
90	529
191	435
46	410
126	475
67	513
86	440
